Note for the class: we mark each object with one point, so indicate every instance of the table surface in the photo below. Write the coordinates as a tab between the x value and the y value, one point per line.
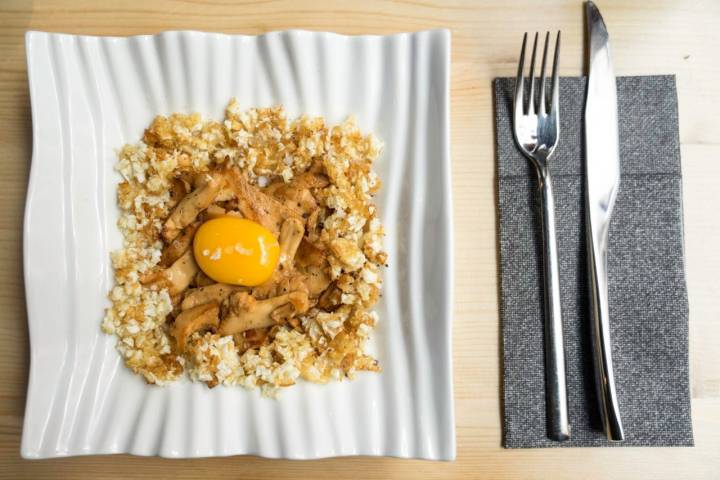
650	37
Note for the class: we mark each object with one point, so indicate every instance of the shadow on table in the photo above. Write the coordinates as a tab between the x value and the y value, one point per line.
17	164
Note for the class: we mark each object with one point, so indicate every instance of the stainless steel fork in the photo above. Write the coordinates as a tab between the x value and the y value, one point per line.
537	130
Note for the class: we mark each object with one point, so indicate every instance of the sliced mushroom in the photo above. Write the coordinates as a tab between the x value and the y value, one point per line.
181	273
177	192
214	211
199	179
291	234
309	255
177	277
286	314
190	321
202	280
280	284
228	205
246	313
216	292
283	313
299	303
316	280
310	180
330	299
258	207
175	300
303	181
180	245
313	222
290	237
253	338
193	203
295	198
185	175
225	194
297	195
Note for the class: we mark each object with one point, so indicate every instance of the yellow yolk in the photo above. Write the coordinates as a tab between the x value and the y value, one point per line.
236	251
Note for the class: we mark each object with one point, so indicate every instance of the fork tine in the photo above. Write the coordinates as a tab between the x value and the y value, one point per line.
531	101
519	82
555	106
542	101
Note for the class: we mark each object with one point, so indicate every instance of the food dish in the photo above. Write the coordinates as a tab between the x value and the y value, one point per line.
90	95
251	250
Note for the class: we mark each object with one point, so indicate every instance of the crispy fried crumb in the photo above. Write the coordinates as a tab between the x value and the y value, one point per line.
318	346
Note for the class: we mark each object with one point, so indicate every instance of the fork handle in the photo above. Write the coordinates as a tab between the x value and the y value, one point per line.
558	427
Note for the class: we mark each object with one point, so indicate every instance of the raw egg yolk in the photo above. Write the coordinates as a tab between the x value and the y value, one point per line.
236	251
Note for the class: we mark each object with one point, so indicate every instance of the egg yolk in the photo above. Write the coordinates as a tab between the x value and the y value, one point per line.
236	251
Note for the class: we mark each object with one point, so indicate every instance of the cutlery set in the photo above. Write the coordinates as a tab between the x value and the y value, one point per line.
536	128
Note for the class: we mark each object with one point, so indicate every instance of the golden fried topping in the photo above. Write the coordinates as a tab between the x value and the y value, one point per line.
311	186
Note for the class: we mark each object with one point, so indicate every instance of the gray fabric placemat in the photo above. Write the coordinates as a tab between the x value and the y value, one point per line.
647	291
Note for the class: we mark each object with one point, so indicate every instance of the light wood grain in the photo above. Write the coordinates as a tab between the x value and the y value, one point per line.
648	37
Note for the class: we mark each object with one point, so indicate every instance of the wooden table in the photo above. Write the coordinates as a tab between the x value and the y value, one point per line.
648	37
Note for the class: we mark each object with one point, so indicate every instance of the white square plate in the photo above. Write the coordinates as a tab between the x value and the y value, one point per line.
90	96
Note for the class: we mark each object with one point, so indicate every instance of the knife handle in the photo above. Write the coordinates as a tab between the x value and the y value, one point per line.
558	426
600	328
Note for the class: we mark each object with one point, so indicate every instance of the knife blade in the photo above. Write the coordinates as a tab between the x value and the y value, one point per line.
602	177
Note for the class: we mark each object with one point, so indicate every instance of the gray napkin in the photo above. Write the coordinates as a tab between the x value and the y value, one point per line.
648	296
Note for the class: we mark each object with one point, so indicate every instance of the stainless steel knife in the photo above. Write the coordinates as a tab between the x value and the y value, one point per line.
602	176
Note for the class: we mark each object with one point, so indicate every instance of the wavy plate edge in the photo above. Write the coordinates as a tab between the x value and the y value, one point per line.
442	446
